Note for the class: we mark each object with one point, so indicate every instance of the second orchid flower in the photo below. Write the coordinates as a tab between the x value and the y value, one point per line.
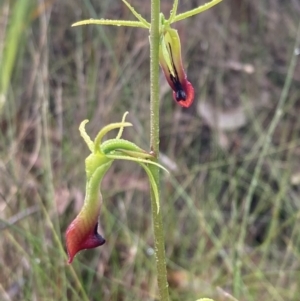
170	61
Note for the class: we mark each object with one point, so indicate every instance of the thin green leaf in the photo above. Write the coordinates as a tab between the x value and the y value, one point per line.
111	22
136	14
173	12
153	185
17	27
196	11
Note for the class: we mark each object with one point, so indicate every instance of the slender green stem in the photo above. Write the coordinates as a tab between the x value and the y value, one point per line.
154	140
154	76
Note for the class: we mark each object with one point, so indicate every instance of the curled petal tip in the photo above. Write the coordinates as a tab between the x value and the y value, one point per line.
82	235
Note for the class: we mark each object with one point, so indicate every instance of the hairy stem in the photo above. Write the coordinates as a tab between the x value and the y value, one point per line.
154	140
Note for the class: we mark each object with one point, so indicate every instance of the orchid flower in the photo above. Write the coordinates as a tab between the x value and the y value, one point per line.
82	233
171	64
169	48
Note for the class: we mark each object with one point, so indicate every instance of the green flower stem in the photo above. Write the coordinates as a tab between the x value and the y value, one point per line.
154	140
154	76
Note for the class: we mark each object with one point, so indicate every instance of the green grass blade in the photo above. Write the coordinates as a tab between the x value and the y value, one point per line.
15	32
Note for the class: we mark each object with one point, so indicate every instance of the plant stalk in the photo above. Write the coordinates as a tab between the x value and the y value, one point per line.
154	141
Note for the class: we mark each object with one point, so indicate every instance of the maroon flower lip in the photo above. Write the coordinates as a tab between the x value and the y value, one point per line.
82	234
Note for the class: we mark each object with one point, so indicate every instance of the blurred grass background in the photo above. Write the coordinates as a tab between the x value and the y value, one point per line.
53	76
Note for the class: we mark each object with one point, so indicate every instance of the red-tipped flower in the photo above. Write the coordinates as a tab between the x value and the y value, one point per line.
82	233
170	61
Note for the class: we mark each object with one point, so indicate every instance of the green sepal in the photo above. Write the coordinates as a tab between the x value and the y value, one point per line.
93	161
165	57
120	144
120	156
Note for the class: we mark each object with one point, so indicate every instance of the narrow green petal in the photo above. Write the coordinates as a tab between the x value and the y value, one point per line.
164	57
105	130
173	12
137	15
85	136
195	11
153	185
119	156
111	145
122	128
110	22
136	154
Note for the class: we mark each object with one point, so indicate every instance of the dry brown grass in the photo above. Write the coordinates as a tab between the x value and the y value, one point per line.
237	56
